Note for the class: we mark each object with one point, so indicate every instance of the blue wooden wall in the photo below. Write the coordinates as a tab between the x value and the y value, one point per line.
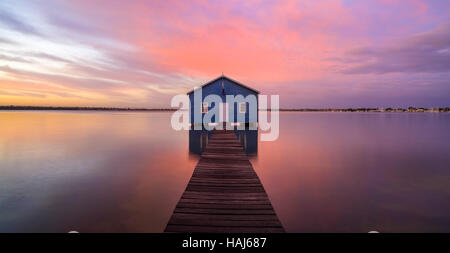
231	88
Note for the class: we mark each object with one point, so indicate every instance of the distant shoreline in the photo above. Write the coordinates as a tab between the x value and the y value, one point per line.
388	109
75	108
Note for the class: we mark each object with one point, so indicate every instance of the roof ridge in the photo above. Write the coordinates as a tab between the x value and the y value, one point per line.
226	77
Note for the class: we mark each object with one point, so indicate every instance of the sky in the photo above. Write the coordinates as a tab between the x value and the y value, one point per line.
312	53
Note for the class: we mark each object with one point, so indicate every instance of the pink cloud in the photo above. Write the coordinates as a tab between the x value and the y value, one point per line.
162	47
277	41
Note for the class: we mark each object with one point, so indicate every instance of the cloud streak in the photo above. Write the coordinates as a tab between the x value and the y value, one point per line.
424	52
14	23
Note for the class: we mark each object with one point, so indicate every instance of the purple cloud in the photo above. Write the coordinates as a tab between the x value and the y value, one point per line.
425	52
15	24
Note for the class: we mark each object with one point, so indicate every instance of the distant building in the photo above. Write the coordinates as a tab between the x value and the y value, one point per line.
223	86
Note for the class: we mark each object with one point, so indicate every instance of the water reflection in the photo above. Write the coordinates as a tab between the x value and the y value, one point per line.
198	139
357	172
249	140
90	171
125	172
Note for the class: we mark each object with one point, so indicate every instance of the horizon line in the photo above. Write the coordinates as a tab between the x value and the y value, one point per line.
106	108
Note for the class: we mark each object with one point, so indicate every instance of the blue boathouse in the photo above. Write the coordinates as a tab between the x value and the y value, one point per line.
234	111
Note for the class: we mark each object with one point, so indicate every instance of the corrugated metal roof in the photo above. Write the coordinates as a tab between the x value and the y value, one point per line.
229	79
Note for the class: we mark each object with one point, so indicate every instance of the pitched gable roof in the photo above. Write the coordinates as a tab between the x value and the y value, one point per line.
229	79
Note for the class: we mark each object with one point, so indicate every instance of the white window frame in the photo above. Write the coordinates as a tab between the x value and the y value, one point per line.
204	106
240	107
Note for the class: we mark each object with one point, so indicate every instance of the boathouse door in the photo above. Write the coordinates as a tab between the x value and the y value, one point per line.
223	112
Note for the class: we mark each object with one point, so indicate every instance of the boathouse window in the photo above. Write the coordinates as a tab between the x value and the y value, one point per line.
242	107
204	107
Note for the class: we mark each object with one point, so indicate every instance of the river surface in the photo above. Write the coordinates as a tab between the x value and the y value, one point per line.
125	171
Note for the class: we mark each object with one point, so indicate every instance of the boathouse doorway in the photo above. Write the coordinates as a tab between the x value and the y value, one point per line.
223	108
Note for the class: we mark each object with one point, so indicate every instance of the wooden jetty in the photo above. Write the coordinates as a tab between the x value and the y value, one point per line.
224	194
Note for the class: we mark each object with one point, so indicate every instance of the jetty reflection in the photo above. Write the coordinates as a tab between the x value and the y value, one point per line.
198	139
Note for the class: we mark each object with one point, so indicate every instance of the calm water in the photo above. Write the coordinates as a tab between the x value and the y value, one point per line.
125	172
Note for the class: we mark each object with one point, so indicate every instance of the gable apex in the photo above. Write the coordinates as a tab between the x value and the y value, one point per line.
229	79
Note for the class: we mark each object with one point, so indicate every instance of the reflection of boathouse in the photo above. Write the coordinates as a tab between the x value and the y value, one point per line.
198	139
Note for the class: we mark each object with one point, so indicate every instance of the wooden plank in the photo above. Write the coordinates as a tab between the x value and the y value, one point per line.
226	181
223	189
217	184
252	217
225	201
216	229
222	211
209	197
238	195
224	193
224	206
224	223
